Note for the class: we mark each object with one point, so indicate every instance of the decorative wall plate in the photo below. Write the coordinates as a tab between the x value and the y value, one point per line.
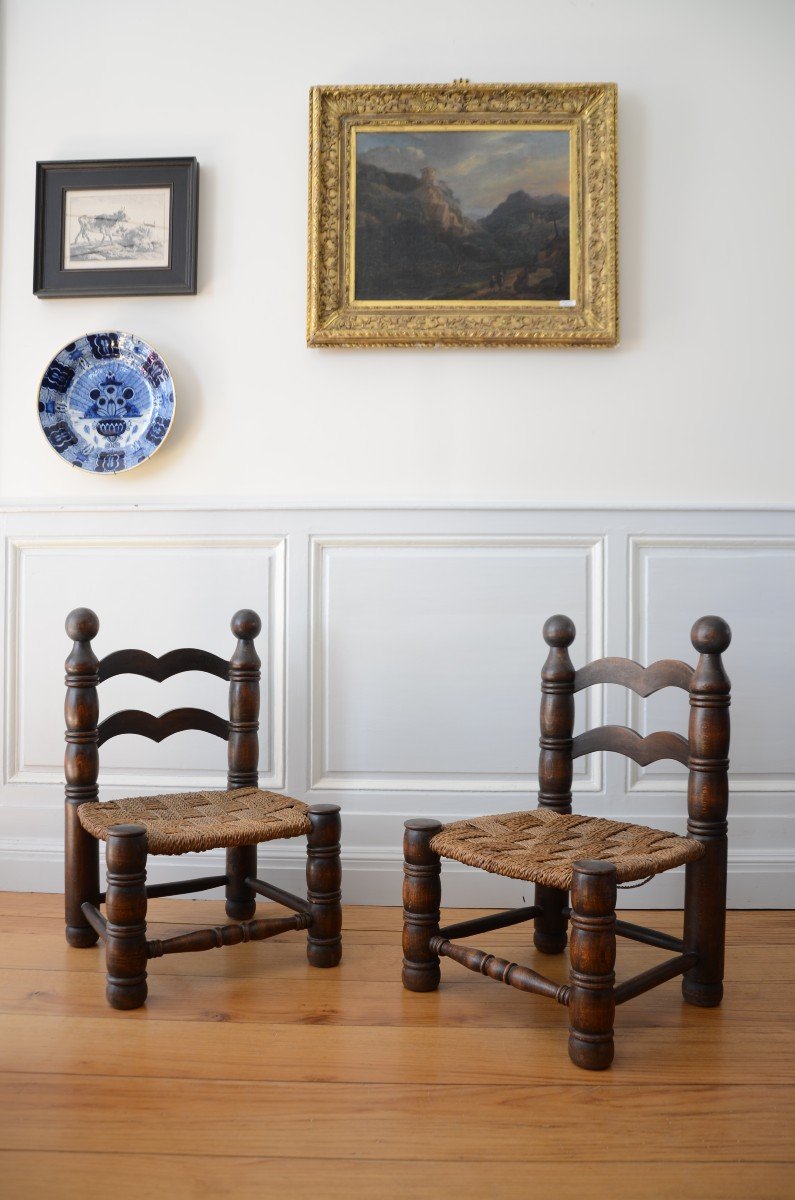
106	402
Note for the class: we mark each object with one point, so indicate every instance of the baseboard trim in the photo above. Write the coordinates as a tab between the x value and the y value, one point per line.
758	879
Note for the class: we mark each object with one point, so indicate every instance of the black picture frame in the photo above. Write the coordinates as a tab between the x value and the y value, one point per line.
55	179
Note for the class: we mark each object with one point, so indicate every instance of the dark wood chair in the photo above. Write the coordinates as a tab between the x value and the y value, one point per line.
238	818
588	857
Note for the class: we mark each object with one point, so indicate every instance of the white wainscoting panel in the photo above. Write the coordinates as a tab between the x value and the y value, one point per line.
422	655
152	593
401	650
750	582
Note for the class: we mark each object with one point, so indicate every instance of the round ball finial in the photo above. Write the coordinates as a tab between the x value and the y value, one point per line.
710	635
82	625
559	631
246	624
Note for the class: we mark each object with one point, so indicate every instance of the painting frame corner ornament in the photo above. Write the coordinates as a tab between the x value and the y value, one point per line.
116	227
463	215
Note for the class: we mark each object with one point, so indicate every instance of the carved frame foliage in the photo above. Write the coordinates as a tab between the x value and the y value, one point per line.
587	109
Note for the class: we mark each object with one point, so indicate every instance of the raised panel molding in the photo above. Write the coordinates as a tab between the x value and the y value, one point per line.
641	552
322	702
18	771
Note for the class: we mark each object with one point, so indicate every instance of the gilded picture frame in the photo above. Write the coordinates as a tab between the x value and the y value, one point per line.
405	248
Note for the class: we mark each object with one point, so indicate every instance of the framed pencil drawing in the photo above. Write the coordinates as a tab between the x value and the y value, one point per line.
125	227
463	215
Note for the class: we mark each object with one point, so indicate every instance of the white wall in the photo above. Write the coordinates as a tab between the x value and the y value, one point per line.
695	405
403	628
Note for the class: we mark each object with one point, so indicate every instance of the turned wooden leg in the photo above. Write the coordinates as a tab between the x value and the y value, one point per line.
592	1002
550	927
323	882
126	916
705	924
82	879
707	809
241	864
422	896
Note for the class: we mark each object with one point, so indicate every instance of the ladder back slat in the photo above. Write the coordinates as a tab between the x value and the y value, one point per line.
177	720
644	681
643	750
140	662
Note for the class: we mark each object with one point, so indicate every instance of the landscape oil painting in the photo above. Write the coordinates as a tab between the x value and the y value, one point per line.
463	214
129	228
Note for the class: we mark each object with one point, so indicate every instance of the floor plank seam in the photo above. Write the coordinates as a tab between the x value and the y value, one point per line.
567	1081
518	1162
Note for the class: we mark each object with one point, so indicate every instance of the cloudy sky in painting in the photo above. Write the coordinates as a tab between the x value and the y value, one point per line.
481	166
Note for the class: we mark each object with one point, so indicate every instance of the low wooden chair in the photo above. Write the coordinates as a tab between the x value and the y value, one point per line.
589	856
238	818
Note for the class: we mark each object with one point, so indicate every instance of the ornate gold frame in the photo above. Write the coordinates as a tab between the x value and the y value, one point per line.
587	109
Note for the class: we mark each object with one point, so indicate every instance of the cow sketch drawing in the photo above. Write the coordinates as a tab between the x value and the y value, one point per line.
102	223
119	228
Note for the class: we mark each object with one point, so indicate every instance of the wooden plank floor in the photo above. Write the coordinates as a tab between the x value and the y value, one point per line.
251	1074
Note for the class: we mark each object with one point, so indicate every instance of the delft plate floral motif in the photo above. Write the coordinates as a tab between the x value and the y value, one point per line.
106	402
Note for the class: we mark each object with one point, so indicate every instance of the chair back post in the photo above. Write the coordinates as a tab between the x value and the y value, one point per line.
555	765
707	810
244	702
81	770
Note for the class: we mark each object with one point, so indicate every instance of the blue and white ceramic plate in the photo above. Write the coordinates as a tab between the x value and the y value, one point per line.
106	402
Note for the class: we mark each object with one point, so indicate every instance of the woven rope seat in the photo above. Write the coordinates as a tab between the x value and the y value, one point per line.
185	821
541	846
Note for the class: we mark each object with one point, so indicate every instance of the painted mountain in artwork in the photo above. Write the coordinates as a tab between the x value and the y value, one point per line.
414	242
